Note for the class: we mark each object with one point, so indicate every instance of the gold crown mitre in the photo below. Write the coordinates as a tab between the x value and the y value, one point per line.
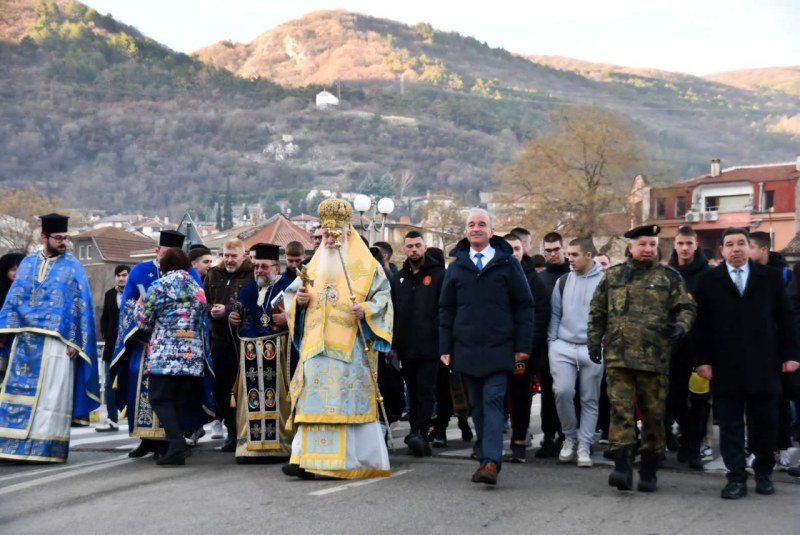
334	213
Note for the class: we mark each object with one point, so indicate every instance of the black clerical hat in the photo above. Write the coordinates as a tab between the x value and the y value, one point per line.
171	238
266	251
54	223
644	230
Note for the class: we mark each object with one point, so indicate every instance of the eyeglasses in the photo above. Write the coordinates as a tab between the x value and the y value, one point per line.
58	238
553	250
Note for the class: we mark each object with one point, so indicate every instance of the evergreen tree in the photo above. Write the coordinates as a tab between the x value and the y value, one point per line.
227	214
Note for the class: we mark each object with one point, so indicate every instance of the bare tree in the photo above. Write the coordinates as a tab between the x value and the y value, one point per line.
19	211
582	168
404	180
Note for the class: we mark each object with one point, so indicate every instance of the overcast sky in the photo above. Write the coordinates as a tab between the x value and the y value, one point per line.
692	36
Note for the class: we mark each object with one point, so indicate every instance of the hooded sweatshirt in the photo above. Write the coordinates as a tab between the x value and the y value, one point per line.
569	317
691	272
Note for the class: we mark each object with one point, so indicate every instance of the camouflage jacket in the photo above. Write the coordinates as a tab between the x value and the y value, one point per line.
630	313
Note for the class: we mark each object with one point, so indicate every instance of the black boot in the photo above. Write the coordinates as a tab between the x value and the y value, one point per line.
622	476
440	440
466	432
647	472
145	446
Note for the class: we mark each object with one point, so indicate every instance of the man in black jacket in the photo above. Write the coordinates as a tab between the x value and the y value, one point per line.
222	285
556	266
520	381
415	295
745	338
689	410
485	327
108	329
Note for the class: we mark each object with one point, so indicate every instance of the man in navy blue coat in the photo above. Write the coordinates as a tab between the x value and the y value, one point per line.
485	327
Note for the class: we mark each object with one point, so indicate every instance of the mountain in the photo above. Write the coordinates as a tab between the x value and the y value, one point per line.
771	79
104	117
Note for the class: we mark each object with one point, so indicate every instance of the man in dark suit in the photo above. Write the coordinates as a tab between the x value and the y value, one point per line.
108	330
745	338
485	327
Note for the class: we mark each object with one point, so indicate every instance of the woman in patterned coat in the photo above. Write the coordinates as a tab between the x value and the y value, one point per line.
173	310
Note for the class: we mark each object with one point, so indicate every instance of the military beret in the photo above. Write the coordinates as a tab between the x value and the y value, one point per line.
644	230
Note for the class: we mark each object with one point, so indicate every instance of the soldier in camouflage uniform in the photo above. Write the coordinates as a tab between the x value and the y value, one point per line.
638	311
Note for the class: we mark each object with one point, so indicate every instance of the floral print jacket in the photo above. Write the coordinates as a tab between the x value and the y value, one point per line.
173	310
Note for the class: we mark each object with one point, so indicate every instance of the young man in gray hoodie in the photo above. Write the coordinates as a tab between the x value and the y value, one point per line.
569	354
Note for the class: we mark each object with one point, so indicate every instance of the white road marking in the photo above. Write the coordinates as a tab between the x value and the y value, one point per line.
97	440
66	471
363	482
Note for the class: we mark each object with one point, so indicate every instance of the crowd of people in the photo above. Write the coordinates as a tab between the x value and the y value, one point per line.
289	367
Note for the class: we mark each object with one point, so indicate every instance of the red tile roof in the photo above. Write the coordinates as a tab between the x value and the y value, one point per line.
749	173
278	230
116	244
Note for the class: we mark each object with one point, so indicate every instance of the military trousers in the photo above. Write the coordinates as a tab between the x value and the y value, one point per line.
627	390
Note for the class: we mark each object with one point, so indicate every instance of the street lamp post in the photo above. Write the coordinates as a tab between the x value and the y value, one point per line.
385	206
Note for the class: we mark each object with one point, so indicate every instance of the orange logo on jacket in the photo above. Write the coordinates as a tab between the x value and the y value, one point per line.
427	280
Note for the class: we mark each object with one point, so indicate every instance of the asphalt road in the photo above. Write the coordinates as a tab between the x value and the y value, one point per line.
102	491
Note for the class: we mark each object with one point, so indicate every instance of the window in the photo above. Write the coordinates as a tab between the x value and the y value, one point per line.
88	252
769	201
661	208
80	252
680	207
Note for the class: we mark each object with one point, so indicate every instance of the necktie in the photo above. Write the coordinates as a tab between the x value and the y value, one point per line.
479	261
738	280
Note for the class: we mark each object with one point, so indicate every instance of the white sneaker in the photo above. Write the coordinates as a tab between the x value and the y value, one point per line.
567	454
216	429
584	458
107	426
782	460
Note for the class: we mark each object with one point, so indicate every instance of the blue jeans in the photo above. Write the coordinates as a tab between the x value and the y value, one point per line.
108	393
487	400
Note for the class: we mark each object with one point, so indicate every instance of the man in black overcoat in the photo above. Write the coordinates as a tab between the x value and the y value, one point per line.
745	338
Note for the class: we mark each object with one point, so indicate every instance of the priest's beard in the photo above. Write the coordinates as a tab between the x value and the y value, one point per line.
330	265
265	281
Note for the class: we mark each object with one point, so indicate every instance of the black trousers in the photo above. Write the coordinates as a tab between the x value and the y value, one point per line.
762	423
226	367
420	376
551	425
169	394
603	409
696	421
678	394
519	395
444	400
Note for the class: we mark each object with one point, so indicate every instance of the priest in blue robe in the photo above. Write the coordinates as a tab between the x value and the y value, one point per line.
263	407
47	328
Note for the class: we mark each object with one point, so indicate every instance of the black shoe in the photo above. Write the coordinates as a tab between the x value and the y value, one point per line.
416	445
518	453
764	486
794	471
229	446
549	449
622	476
174	457
734	490
695	462
294	470
466	432
440	440
683	454
672	441
145	446
427	451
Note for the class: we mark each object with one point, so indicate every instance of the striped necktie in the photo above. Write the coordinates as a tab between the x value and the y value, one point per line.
737	279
